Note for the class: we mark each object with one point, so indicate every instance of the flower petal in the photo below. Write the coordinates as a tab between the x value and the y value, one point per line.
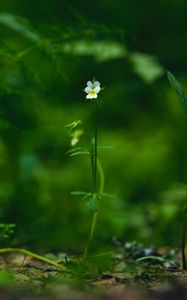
94	96
96	83
87	89
88	97
89	83
97	89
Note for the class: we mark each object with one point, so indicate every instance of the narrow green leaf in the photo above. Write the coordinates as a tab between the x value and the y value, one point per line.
106	147
150	258
84	195
20	25
107	195
87	195
80	152
77	151
78	193
178	90
74	150
74	124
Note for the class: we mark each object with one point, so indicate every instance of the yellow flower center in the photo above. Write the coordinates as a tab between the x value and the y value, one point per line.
92	93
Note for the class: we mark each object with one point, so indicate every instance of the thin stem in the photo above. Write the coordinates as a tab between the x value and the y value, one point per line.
95	150
101	176
95	214
94	161
34	255
92	229
92	165
183	244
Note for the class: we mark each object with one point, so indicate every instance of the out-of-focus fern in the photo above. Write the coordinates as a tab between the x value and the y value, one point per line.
51	51
20	25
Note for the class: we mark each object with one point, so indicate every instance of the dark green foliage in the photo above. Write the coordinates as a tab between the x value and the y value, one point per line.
6	230
20	25
48	51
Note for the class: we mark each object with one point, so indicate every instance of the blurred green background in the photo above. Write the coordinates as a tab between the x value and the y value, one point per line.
48	51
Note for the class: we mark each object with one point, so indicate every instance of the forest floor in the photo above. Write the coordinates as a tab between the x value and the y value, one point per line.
153	277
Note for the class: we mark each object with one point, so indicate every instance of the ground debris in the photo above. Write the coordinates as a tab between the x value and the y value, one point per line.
23	278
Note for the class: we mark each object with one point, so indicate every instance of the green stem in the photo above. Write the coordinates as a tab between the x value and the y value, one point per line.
95	150
94	162
92	229
101	175
183	245
92	165
95	214
34	255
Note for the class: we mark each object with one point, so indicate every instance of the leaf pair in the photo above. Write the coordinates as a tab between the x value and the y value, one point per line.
93	200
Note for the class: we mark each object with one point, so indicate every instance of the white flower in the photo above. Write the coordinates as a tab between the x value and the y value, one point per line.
92	89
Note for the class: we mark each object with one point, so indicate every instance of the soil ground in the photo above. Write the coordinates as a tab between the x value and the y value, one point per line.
24	278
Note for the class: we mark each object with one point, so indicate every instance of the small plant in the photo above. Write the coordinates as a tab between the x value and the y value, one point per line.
76	129
183	99
6	231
